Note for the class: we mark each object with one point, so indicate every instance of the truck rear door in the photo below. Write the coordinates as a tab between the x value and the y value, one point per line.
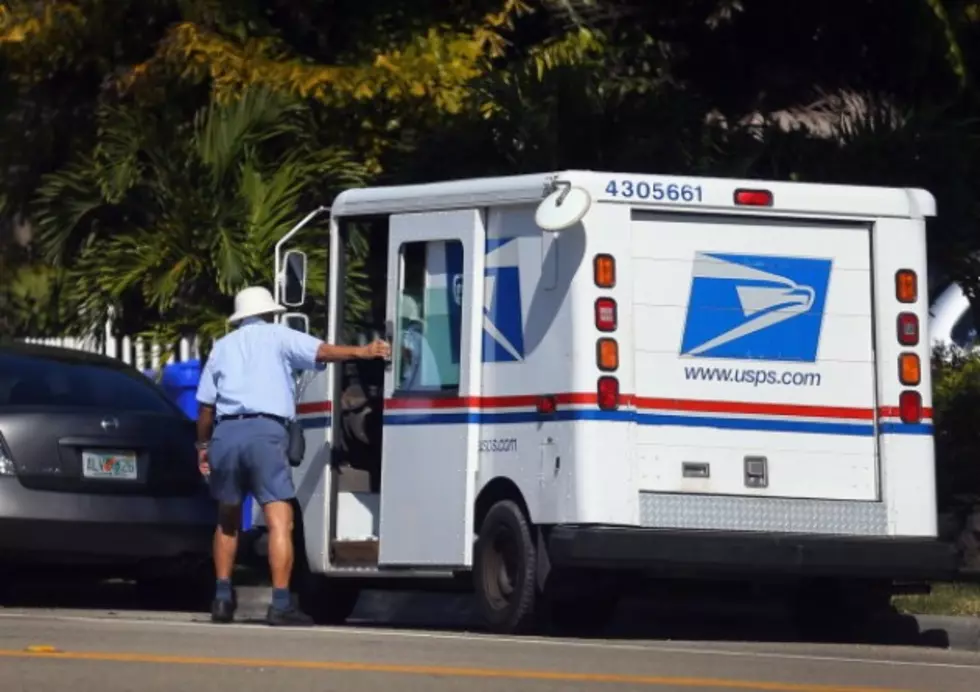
754	356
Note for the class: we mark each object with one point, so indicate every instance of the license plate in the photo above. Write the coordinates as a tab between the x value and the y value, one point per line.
109	465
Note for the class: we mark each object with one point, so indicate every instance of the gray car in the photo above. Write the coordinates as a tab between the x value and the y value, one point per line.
97	469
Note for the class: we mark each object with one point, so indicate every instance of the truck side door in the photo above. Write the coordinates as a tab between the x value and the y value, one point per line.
431	427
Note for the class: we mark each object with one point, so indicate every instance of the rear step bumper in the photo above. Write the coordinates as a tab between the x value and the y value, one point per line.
733	554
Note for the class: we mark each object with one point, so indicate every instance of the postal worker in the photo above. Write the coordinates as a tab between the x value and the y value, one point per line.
246	400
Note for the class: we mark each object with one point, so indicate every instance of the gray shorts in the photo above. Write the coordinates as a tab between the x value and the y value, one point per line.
249	456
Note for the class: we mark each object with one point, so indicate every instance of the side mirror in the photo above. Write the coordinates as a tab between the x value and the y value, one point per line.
294	278
297	321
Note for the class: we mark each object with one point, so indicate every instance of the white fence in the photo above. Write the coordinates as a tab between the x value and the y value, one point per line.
140	353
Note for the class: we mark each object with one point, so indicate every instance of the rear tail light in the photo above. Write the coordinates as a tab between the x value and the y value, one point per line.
6	461
753	198
908	329
910	407
906	286
605	315
604	271
608	390
909	369
607	355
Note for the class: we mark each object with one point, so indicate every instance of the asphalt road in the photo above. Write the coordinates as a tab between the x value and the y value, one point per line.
104	643
44	651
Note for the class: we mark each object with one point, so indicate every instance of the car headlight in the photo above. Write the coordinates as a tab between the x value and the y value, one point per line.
6	461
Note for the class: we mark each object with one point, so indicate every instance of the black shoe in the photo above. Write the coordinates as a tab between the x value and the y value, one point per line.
224	611
288	617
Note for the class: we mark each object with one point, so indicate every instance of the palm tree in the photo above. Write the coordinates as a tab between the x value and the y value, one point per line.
163	223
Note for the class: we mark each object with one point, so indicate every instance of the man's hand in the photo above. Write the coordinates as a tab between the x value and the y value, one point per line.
202	462
376	349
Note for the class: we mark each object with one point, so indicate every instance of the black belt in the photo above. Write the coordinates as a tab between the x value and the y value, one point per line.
245	416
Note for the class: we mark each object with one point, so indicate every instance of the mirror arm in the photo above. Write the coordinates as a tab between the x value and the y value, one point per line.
277	276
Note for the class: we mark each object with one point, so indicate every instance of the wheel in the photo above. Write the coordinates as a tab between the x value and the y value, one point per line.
505	570
329	601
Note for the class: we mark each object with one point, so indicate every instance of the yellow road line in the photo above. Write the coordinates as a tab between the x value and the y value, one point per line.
441	671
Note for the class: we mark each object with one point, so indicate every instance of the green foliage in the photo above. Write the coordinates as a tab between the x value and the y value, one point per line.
956	403
163	222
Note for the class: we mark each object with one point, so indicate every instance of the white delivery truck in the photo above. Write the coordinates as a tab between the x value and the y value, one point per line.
600	376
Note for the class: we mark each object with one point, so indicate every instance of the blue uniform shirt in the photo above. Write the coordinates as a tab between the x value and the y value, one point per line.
251	369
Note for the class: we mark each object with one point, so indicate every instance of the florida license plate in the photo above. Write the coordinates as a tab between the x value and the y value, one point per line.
109	465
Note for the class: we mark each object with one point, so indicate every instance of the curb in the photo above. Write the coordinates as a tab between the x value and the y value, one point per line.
434	611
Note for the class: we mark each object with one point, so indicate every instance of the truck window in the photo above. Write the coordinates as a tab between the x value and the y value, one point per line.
428	322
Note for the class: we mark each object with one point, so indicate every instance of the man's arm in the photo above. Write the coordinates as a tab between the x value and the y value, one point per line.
205	422
207	396
306	352
326	353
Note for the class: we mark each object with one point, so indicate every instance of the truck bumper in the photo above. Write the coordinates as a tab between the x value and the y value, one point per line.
673	553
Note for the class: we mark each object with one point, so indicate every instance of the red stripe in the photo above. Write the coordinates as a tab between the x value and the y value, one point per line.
314	407
895	412
486	402
758	409
626	400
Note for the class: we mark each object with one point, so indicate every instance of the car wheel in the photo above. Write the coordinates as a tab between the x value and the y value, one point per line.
505	570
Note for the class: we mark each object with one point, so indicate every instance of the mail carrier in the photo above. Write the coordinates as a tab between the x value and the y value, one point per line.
606	376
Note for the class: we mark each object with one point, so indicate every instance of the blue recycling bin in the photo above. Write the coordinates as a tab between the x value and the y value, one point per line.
180	382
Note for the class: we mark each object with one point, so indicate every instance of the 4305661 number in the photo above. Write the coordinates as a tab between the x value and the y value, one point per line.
670	192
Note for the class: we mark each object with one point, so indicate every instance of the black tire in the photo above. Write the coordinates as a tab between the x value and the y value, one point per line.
328	600
505	570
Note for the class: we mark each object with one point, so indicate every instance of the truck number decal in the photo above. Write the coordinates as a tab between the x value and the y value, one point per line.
508	444
671	192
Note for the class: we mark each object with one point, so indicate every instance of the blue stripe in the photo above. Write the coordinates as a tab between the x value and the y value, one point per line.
317	422
761	424
906	429
656	419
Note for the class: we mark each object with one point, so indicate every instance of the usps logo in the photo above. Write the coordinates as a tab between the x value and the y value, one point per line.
503	328
756	307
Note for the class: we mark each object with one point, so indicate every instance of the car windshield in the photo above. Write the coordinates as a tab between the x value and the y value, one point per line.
27	380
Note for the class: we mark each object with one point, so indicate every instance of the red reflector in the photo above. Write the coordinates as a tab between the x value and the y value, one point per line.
605	315
608	390
547	405
910	407
753	198
908	329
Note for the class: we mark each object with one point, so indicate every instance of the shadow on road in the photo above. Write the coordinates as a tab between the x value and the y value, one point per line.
674	619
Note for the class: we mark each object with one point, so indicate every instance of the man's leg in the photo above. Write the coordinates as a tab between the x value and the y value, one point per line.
225	486
272	485
225	547
279	519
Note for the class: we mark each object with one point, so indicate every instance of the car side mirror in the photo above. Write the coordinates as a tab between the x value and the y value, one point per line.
297	321
294	278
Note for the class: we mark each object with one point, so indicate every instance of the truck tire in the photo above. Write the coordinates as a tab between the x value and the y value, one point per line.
505	570
329	601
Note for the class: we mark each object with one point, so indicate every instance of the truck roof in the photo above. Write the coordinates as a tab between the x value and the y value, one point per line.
715	194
